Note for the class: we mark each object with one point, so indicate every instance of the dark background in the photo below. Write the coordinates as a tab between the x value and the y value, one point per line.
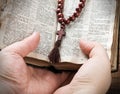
115	86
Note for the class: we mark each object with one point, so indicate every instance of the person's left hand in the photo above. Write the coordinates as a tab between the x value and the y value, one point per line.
18	78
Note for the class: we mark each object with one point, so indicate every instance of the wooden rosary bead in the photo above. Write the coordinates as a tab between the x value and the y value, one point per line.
76	14
83	1
60	1
72	18
81	5
64	20
60	20
63	24
60	15
58	10
60	6
67	21
78	9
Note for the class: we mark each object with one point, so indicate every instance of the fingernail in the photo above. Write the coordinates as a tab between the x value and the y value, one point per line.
83	40
34	33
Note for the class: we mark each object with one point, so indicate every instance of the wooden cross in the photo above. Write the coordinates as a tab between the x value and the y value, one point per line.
61	33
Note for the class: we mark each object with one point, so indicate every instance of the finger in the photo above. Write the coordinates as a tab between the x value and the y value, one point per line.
96	70
98	58
92	48
25	46
86	46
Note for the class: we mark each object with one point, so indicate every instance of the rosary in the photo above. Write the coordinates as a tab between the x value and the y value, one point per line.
54	55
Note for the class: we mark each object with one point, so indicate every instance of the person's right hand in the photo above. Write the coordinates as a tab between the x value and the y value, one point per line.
94	77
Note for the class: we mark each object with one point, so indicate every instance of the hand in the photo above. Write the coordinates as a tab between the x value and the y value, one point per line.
94	77
18	78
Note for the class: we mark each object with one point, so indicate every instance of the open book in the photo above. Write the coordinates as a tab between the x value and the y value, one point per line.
98	21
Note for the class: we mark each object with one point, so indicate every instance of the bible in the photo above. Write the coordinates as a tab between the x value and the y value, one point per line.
98	21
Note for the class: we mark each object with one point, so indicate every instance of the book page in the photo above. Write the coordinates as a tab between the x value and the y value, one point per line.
23	17
96	23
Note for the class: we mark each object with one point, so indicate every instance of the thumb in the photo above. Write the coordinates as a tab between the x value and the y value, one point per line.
92	48
25	46
95	71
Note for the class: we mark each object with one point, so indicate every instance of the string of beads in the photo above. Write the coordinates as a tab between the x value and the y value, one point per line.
71	18
54	55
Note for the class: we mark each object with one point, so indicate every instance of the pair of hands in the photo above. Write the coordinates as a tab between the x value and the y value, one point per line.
16	77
